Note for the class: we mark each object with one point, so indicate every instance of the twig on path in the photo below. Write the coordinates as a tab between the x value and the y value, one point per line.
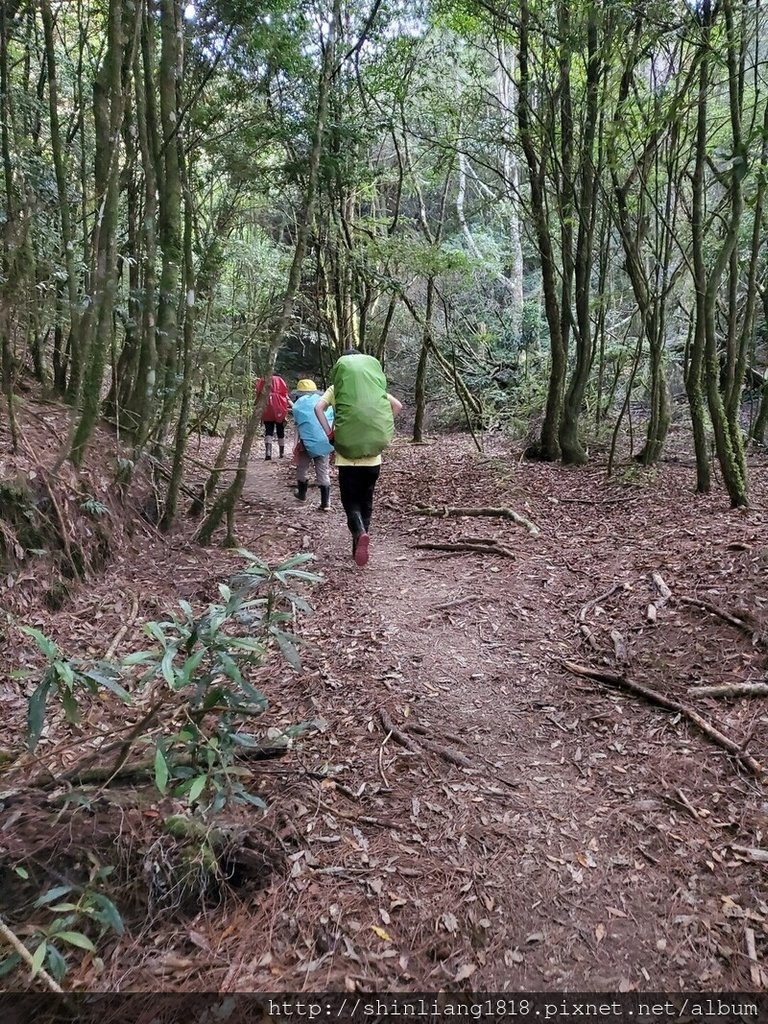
447	511
730	690
603	597
596	501
709	730
619	647
15	942
755	974
688	805
662	589
448	606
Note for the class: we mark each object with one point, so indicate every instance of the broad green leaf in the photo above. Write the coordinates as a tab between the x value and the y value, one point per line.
295	560
249	798
36	713
191	666
57	965
22	872
76	939
109	912
254	695
166	666
9	964
197	787
161	771
64	671
186	607
153	629
230	669
246	643
70	705
287	649
62	908
47	646
138	658
52	895
109	684
38	958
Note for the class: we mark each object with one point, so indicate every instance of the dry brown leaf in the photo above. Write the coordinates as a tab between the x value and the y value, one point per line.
465	971
600	932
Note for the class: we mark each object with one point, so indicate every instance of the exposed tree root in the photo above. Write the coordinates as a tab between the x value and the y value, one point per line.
474	545
709	730
498	513
452	756
731	690
746	625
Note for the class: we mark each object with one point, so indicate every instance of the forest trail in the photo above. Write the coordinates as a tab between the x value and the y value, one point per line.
587	846
538	831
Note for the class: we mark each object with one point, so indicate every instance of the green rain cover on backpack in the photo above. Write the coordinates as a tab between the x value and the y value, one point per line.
363	421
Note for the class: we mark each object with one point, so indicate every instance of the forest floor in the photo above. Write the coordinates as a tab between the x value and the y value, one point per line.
541	830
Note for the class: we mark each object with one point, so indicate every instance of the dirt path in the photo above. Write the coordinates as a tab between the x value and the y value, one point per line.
537	830
588	845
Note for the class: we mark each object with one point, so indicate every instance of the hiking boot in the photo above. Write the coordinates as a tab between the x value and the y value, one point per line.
360	551
281	448
268	451
325	497
301	489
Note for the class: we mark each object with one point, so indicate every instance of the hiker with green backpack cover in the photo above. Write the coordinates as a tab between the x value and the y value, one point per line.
363	426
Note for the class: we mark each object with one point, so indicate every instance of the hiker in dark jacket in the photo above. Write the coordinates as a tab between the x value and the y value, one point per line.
363	427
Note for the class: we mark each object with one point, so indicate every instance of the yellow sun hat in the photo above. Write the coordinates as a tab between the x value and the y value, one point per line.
306	385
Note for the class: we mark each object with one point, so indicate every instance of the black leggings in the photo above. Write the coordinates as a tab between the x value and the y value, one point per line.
269	429
356	485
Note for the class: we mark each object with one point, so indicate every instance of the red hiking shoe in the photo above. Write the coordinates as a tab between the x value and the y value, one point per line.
360	554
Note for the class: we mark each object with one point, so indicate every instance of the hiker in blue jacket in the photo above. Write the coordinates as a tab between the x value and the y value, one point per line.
313	447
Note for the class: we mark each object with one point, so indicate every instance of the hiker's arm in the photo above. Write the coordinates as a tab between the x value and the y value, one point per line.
320	408
396	406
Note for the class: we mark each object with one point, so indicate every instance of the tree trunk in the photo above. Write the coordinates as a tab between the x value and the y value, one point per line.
225	505
549	447
421	370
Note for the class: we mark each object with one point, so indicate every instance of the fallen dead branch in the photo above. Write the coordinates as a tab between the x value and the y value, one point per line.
705	727
751	853
731	690
18	946
498	513
474	546
106	776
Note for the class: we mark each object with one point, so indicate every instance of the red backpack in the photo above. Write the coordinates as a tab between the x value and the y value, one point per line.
277	405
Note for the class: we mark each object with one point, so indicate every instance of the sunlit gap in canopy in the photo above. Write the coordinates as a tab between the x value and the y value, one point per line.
190	12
